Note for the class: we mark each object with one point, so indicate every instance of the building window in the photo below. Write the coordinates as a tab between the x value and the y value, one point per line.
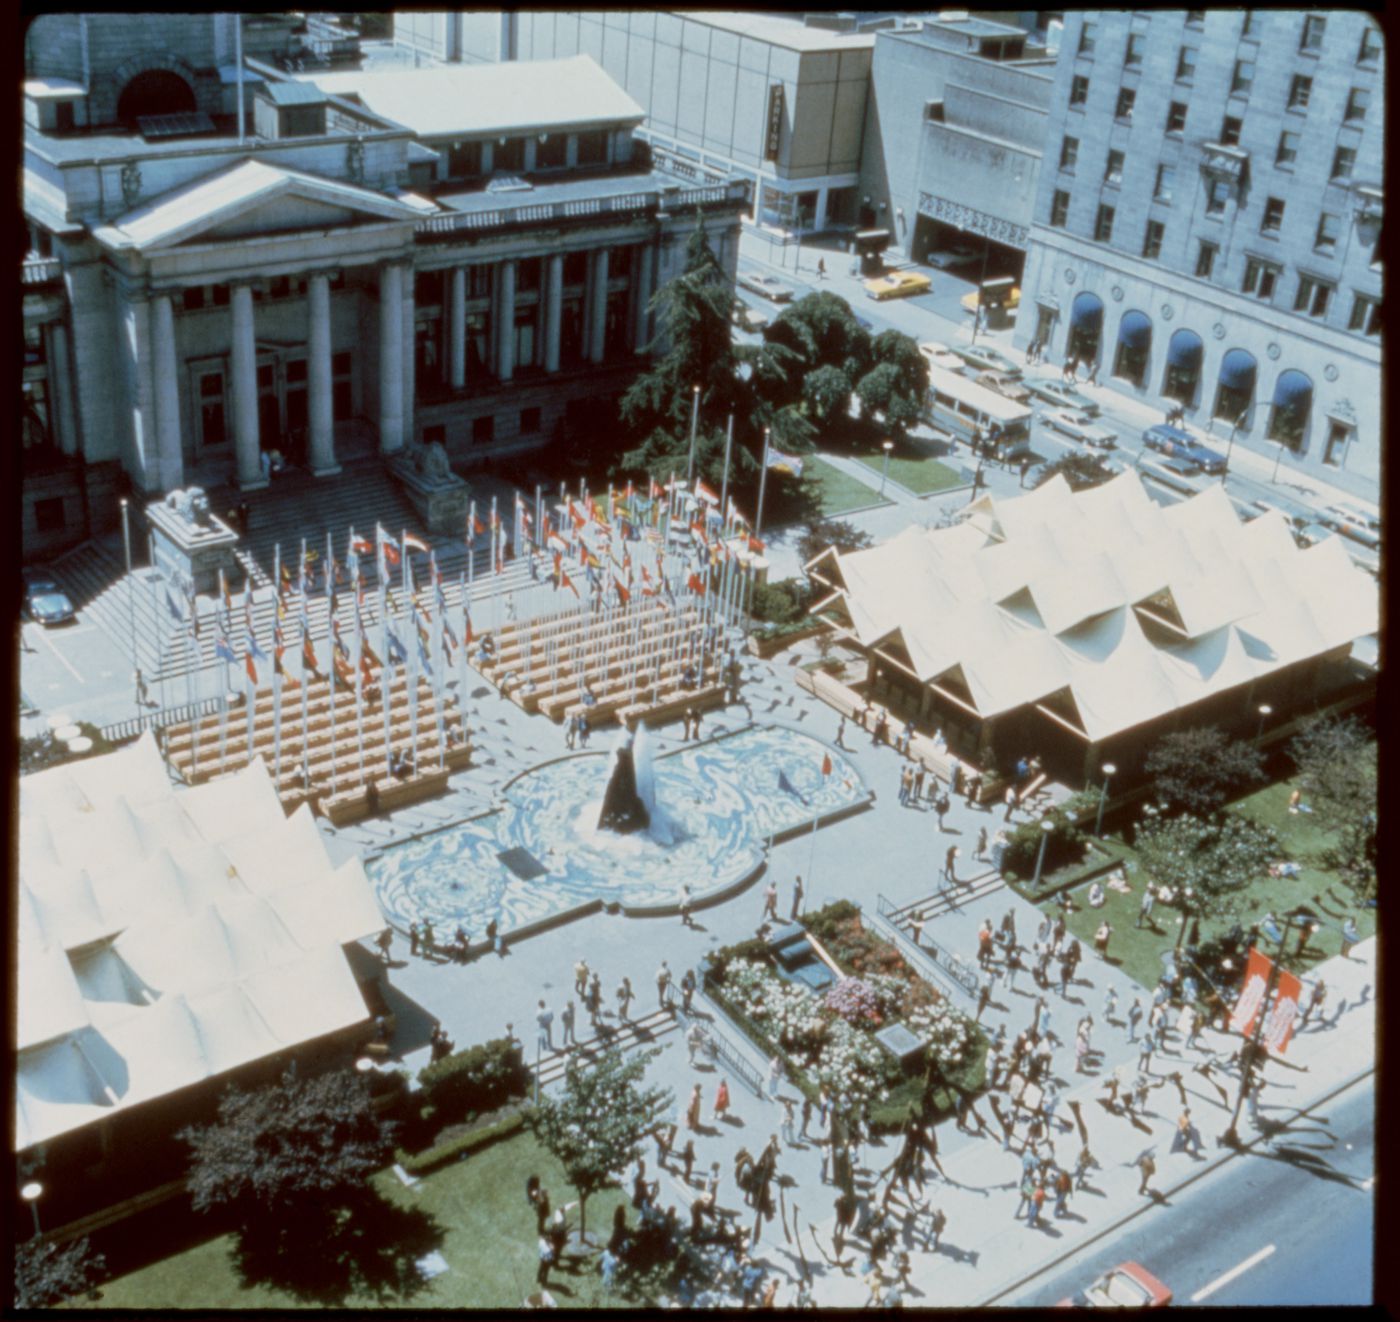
1329	229
1343	162
1103	223
427	289
193	298
1132	57
1259	279
509	155
1152	240
1370	45
1069	154
1358	103
1185	64
48	514
479	281
552	153
575	268
593	147
1088	36
1195	18
529	421
1078	90
1365	315
220	295
213	428
463	160
1230	131
1205	260
1176	117
527	275
343	385
1166	180
1273	216
1059	208
1313	296
1124	109
1113	169
1217	194
1287	149
1299	92
1313	28
1243	78
484	430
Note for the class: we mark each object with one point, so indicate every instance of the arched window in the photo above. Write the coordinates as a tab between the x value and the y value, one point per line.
1085	327
1235	391
1291	410
1134	348
1183	379
154	92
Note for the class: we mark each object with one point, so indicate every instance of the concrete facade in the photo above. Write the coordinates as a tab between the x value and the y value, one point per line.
1239	267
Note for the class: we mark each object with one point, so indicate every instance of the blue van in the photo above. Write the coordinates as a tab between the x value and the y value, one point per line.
1177	444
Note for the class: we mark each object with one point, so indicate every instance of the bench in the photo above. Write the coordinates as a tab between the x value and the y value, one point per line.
352	806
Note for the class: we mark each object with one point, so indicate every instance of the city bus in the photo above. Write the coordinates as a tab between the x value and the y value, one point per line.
959	406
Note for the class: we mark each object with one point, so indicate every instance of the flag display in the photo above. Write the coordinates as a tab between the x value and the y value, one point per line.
784	463
788	787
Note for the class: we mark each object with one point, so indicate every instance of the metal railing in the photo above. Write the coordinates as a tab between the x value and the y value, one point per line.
927	954
727	1049
123	730
40	270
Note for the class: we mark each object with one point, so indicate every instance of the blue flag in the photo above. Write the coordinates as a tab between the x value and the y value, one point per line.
255	649
175	612
423	656
223	651
785	784
397	655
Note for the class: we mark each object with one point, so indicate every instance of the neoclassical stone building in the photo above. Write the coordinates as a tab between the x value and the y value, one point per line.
339	265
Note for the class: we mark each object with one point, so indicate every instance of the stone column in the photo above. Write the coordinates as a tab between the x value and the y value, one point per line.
61	387
458	364
553	310
641	295
390	358
410	355
136	363
170	461
319	397
600	306
506	367
243	368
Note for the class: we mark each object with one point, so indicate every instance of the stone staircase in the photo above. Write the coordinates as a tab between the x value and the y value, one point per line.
627	1035
949	899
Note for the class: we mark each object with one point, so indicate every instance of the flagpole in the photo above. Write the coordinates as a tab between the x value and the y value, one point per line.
305	680
471	543
762	484
354	560
155	611
411	662
228	677
694	428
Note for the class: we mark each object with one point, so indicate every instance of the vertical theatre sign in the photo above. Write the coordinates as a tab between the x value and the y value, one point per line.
1278	1024
775	122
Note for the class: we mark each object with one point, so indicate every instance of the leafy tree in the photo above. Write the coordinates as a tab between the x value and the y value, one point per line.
826	393
47	1273
288	1149
597	1125
1218	860
1197	771
897	384
1336	760
822	330
845	537
783	602
1081	471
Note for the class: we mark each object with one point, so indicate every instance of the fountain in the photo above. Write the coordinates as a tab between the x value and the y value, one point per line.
629	802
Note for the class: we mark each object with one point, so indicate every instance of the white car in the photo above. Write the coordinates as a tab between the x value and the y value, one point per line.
1080	427
1354	523
747	318
1053	391
940	355
767	286
958	255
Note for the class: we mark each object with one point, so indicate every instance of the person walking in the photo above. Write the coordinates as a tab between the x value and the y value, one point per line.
1110	1004
1350	937
941	808
821	268
692	1110
566	1020
770	901
1147	1167
796	897
789	1121
595	997
1010	802
546	1255
841	733
581	977
685	904
1149	897
1319	995
906	783
1027	1187
625	997
384	941
1064	1186
980	853
1134	1018
687	989
984	995
544	1017
1105	930
775	1075
1011	968
920	774
949	860
722	1099
663	985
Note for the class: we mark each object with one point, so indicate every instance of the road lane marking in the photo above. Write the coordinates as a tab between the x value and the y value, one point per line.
1220	1281
44	638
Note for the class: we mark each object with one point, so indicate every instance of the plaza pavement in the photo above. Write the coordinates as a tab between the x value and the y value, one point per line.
895	851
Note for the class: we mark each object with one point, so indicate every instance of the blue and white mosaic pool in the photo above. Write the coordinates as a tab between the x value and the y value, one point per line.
723	796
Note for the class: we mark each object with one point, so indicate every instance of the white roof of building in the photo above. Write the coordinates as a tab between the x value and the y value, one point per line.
1136	610
791	34
473	100
203	929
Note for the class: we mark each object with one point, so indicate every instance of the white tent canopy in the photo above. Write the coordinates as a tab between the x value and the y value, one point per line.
168	935
1136	609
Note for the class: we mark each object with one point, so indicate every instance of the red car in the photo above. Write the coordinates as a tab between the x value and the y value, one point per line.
1128	1285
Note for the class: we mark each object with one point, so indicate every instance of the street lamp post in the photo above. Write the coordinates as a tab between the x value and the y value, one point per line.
1046	826
694	426
1230	444
31	1193
885	472
130	586
1108	770
1265	711
1186	900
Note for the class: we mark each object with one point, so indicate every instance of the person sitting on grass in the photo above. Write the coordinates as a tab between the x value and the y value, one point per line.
1096	896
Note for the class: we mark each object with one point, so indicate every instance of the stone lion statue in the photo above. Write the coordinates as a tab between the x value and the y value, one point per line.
431	460
190	504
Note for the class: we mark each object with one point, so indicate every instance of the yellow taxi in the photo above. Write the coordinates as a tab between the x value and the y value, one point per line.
898	284
969	301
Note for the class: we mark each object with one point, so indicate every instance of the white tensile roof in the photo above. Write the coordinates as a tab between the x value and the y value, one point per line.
520	96
166	936
1135	609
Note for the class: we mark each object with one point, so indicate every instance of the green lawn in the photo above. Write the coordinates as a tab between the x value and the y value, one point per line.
838	493
1139	951
487	1237
917	475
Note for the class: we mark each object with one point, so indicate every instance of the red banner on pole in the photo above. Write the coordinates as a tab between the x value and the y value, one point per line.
1278	1024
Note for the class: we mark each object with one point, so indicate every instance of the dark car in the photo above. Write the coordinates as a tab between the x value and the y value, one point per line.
1177	444
44	601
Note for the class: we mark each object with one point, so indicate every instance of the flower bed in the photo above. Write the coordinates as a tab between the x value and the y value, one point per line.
830	1038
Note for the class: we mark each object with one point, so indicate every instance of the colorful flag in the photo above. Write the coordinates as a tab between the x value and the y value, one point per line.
397	653
565	581
784	463
826	765
704	493
308	655
696	584
412	543
756	546
388	547
785	784
362	546
223	651
252	669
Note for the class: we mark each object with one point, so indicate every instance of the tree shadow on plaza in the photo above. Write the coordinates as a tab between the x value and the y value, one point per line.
364	1246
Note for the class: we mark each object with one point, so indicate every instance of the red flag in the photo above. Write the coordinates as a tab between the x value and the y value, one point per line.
622	594
826	765
308	655
565	581
705	493
697	584
362	546
756	546
413	543
252	668
477	526
1278	1026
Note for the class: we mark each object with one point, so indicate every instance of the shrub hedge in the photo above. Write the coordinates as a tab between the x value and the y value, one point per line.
453	1149
479	1078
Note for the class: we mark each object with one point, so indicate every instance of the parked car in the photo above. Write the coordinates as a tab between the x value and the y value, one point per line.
940	355
986	358
1055	392
1007	386
1176	472
1173	441
1354	523
44	601
898	284
1080	427
768	286
956	255
969	301
1129	1285
747	318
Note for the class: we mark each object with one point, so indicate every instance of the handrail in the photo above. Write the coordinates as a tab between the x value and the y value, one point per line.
40	270
122	730
929	956
727	1050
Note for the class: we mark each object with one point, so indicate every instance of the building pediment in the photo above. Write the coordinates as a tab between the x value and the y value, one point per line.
252	197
